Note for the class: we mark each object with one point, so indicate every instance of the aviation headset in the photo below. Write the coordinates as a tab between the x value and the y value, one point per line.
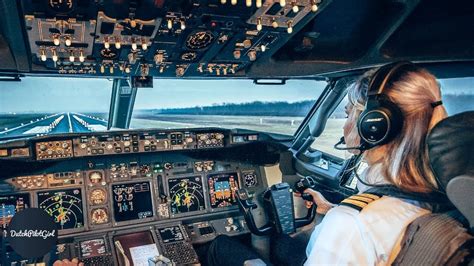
382	120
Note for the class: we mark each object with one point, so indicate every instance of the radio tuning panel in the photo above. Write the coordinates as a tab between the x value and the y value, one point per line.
210	140
54	150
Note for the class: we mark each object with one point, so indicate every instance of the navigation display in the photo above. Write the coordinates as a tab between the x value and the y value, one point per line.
171	234
186	194
222	189
65	206
10	205
93	248
132	201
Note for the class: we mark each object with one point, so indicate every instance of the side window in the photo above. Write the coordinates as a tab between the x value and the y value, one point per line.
458	94
458	97
333	132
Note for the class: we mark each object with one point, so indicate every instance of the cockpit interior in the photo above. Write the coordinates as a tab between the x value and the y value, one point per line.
147	128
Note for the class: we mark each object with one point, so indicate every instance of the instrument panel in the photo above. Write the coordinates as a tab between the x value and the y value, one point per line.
120	193
185	178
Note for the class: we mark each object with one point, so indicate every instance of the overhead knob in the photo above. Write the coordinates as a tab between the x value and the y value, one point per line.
252	55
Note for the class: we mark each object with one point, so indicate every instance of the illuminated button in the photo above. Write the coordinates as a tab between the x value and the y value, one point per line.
118	44
81	57
43	55
233	2
290	27
56	40
314	7
144	45
259	24
275	24
282	3
55	56
68	41
295	8
258	3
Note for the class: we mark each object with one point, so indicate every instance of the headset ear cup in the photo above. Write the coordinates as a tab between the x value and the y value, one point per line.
380	123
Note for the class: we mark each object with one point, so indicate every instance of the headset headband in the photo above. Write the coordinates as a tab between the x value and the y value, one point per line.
383	76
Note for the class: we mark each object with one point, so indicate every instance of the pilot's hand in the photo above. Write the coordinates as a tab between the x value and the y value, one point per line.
66	262
323	205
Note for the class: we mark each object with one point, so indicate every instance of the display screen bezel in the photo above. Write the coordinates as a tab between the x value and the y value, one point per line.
107	252
137	220
237	180
84	215
204	194
17	195
168	241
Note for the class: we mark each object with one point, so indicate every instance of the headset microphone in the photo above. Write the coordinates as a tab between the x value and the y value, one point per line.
342	141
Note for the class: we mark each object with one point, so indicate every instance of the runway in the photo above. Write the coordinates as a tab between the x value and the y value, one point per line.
58	123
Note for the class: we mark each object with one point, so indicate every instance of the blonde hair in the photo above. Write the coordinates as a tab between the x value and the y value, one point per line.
406	163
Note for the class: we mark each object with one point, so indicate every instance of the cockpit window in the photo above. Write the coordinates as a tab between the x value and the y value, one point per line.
225	103
45	105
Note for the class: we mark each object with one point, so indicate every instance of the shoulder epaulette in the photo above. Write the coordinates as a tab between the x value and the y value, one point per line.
360	201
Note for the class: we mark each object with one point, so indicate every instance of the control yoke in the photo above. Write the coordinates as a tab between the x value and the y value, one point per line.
278	199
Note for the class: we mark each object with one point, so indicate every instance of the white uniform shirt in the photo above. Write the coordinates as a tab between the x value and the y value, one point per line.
348	237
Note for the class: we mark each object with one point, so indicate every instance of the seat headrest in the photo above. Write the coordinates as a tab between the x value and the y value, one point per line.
451	148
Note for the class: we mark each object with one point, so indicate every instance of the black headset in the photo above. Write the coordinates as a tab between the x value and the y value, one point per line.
382	119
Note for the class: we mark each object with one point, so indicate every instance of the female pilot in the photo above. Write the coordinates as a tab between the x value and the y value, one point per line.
372	235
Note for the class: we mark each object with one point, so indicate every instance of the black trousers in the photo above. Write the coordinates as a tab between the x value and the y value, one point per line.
229	252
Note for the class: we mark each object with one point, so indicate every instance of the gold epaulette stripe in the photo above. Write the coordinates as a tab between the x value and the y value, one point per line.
355	202
372	196
359	198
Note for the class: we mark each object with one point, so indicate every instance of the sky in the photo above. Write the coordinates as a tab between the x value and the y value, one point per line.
46	94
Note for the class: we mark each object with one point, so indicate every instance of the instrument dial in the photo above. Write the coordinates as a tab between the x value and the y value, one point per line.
189	56
62	6
95	177
99	216
250	179
98	196
199	40
108	53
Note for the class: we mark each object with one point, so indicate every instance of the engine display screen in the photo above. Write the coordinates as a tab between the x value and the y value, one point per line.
65	206
171	234
93	248
186	194
132	201
10	205
223	189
